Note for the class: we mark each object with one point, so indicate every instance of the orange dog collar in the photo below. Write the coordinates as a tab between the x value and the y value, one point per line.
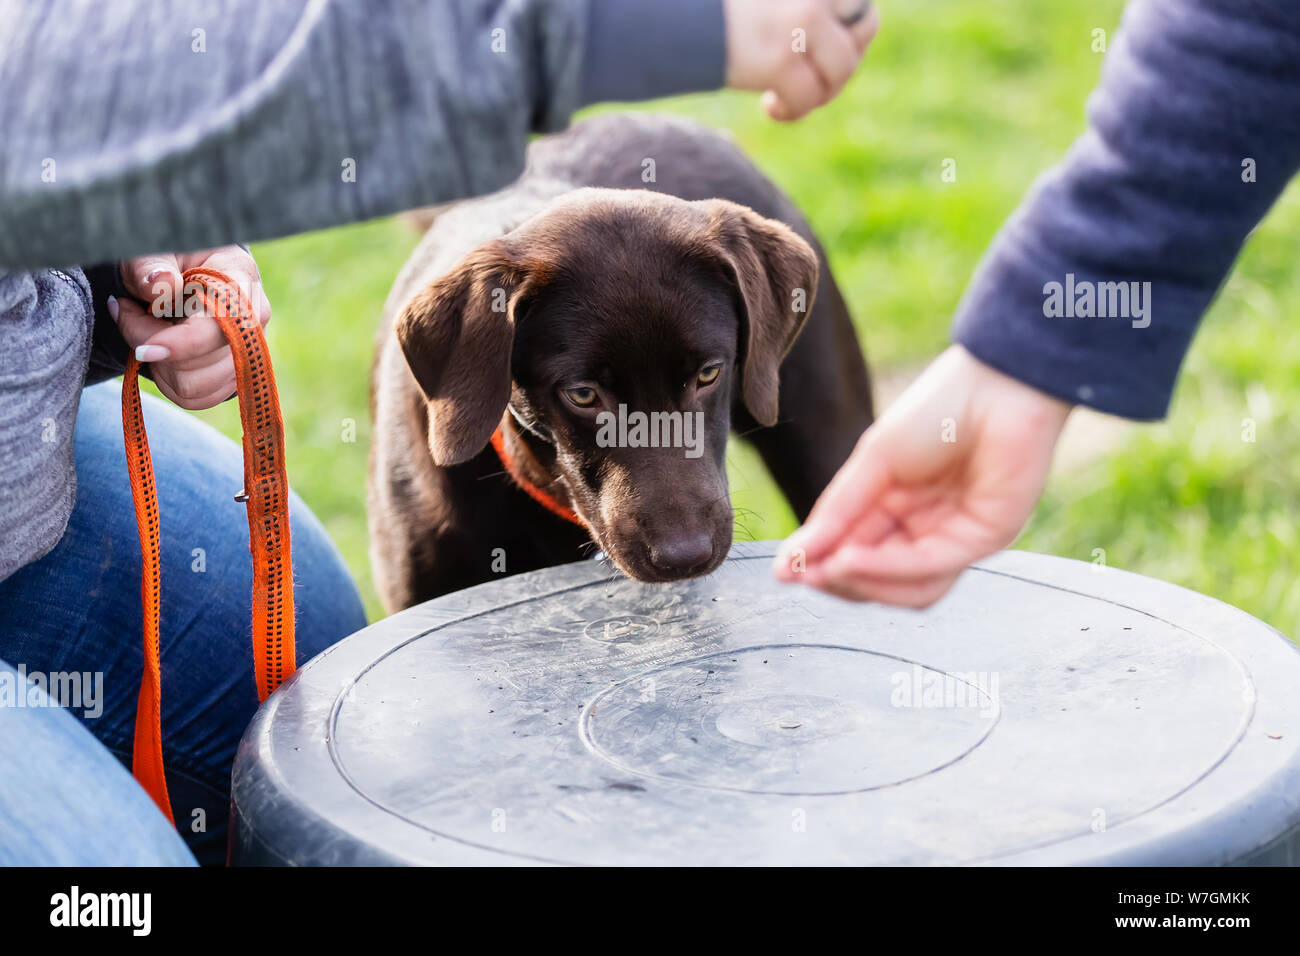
543	498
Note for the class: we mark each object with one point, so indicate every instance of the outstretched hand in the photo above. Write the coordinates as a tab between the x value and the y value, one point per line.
948	475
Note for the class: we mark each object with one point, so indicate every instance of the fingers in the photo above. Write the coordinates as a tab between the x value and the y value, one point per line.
950	502
881	562
190	344
819	70
897	569
798	92
192	341
862	30
155	279
833	53
263	306
801	53
185	371
849	499
198	388
135	323
241	267
912	594
191	361
899	559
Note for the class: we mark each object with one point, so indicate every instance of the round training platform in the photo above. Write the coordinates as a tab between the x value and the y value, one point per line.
1046	712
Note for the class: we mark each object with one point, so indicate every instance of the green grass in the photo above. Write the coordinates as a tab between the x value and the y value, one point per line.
999	88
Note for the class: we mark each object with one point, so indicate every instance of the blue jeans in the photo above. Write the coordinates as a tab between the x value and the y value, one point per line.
71	622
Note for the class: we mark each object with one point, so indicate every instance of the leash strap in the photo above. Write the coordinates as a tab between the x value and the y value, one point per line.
544	499
266	493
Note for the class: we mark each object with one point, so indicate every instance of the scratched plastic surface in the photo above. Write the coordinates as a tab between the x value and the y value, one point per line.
1046	712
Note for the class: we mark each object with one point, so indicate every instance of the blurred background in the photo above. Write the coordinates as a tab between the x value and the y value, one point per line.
999	89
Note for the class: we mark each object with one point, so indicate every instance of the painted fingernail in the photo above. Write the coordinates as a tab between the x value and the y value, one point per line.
152	353
112	307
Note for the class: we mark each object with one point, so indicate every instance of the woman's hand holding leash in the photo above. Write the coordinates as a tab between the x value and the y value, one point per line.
190	360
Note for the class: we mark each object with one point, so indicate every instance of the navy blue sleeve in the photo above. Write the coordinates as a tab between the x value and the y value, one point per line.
1093	289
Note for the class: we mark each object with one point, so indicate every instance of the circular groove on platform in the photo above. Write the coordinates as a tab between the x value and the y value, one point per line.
745	721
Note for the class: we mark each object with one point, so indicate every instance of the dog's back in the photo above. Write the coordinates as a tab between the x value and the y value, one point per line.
617	151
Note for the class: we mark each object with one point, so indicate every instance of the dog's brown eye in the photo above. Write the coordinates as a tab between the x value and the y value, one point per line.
584	396
709	375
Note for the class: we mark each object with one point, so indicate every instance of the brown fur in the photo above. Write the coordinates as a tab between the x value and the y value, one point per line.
574	276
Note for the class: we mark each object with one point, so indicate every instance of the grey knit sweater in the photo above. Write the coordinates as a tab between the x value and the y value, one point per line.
138	126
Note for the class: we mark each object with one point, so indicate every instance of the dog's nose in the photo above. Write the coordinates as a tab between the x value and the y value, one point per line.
683	553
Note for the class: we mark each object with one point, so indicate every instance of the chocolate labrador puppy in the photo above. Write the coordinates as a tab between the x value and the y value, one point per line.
561	362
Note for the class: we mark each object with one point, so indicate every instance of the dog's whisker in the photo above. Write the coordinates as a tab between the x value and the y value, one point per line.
758	428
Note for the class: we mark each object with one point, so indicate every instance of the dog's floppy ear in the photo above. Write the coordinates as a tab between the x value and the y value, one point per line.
457	335
775	271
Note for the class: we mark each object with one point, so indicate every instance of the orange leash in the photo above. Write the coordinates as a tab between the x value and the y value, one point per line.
544	499
266	492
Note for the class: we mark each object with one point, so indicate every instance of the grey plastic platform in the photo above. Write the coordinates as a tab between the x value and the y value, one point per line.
1046	712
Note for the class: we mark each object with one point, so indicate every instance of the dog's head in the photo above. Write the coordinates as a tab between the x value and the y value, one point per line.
618	327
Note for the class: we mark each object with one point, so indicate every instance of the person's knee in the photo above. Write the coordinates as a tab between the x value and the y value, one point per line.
207	578
206	567
64	799
209	688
